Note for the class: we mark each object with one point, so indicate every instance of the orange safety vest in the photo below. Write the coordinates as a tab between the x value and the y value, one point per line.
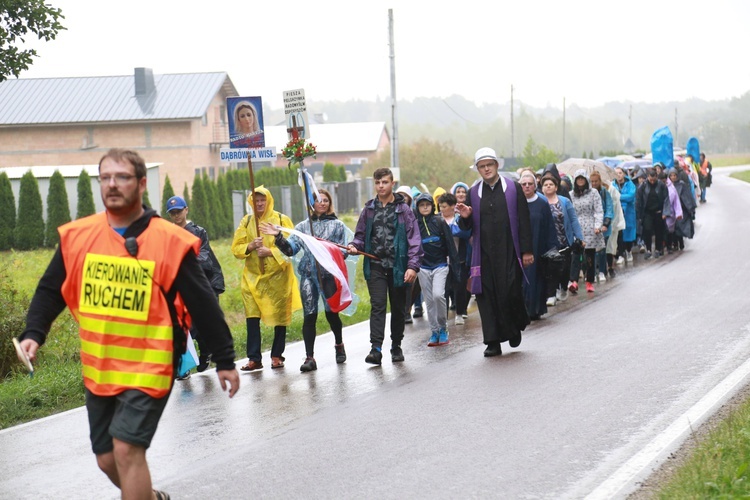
125	326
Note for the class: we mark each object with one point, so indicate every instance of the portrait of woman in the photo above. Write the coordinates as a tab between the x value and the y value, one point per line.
246	122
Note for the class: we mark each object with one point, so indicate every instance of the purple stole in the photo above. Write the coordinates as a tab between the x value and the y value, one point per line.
475	274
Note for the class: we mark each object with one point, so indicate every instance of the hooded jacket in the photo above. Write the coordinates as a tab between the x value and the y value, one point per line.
437	238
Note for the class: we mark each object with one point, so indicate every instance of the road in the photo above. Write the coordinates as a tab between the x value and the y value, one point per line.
605	379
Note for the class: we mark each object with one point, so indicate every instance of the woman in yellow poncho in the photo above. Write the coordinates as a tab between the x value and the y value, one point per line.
271	295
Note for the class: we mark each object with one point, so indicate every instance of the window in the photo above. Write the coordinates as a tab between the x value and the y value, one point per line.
204	119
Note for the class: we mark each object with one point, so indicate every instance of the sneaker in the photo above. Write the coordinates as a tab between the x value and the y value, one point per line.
397	354
465	316
183	377
589	287
628	256
551	301
561	295
434	340
443	337
648	255
340	353
203	362
408	320
375	357
460	320
620	261
309	365
573	287
418	312
642	249
602	277
657	254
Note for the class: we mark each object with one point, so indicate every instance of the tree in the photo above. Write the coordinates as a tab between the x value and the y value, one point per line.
537	156
29	232
58	210
214	208
225	202
330	172
86	205
342	173
146	201
7	213
166	194
186	195
199	205
17	20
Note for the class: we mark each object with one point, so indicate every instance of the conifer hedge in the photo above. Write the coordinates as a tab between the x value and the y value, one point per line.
7	213
29	231
58	210
166	194
86	205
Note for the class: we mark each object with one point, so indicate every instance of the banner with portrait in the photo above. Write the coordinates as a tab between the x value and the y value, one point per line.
245	116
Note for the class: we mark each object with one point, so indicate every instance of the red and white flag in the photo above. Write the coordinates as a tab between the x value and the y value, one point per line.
330	258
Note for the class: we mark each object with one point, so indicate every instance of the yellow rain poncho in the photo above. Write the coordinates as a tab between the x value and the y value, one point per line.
273	295
437	194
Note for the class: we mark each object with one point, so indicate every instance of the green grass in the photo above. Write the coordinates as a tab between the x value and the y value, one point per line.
57	384
720	466
729	160
743	176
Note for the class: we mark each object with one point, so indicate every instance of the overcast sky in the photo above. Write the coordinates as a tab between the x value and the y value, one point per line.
589	52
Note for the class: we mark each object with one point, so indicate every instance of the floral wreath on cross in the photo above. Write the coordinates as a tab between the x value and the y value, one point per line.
297	150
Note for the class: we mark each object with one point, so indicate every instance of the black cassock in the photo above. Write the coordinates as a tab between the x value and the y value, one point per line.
501	305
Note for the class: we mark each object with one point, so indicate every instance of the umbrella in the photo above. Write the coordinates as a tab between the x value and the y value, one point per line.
628	165
610	161
571	165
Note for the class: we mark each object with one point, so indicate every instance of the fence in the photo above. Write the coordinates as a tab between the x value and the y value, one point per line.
347	197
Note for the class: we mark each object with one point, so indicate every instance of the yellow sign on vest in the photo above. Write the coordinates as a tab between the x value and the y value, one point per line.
116	286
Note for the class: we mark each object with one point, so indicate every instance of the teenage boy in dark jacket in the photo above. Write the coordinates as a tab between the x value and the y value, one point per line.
439	252
388	230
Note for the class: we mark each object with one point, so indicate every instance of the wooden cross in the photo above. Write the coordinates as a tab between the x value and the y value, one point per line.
294	130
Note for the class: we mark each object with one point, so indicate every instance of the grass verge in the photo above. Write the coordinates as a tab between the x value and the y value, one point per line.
743	176
718	466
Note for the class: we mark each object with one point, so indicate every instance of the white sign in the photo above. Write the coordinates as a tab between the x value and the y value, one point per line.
295	110
260	154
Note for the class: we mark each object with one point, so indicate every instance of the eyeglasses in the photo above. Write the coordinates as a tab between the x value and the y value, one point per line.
486	165
120	179
526	184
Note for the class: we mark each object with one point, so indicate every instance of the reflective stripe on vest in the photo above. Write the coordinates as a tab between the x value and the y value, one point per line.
125	326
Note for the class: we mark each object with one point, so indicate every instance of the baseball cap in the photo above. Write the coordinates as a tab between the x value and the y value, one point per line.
176	203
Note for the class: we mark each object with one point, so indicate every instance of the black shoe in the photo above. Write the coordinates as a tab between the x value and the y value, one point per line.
418	312
612	273
515	341
161	495
397	354
648	255
408	320
657	254
493	349
340	353
309	365
375	357
203	362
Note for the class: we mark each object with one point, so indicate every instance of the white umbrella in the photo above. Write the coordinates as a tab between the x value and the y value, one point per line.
572	165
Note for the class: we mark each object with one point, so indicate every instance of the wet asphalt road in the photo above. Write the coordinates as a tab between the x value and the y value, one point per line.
591	384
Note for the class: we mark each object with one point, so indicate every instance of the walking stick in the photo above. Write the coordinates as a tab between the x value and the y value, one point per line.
252	197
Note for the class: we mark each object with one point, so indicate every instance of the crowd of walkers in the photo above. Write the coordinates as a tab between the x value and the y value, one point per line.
519	249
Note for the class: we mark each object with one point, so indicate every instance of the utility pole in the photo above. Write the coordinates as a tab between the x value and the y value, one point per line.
394	116
563	148
512	130
630	119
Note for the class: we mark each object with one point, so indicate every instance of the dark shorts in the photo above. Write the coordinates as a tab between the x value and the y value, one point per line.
131	416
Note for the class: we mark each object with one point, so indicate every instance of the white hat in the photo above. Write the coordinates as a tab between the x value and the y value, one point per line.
405	190
487	153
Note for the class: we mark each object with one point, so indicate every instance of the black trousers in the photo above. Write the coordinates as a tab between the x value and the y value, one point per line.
382	290
653	226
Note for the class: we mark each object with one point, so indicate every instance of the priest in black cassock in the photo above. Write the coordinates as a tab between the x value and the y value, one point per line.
498	214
